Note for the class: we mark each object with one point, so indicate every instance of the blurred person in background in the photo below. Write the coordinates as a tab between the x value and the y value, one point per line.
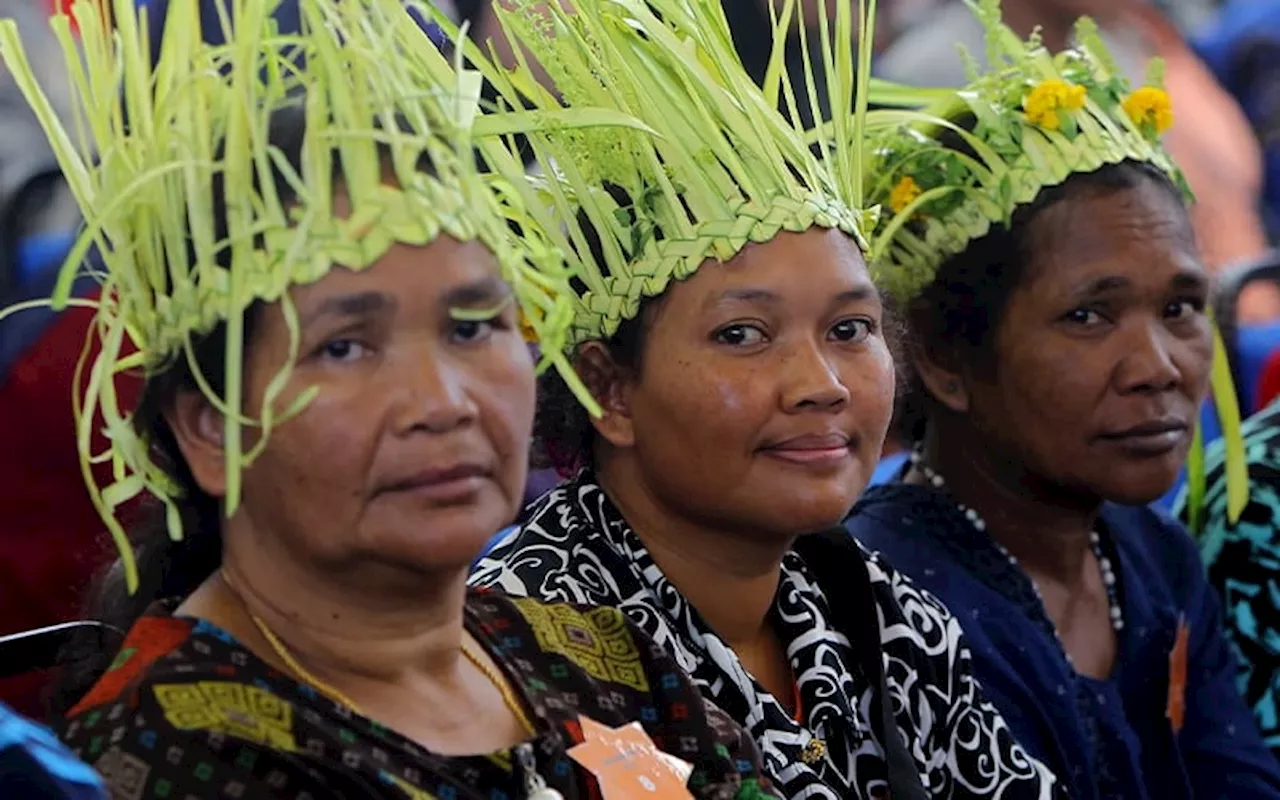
48	526
1214	143
1243	49
750	22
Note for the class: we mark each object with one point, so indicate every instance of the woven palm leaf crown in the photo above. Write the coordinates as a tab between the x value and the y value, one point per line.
373	89
966	160
720	165
979	153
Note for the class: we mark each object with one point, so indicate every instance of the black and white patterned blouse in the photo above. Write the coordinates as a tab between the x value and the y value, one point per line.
575	546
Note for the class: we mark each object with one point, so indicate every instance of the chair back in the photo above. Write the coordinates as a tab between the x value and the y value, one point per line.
28	651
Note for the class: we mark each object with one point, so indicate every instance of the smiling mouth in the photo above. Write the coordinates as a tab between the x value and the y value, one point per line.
829	455
812	450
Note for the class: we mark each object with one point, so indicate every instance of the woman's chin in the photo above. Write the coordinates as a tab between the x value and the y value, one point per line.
431	548
1140	489
799	519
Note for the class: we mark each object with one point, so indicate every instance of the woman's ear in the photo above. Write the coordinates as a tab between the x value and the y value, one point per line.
941	375
610	385
197	427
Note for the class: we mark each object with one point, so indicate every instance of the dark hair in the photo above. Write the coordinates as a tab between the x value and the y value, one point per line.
964	305
562	433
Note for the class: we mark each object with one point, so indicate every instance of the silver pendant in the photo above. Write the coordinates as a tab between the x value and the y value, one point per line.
535	788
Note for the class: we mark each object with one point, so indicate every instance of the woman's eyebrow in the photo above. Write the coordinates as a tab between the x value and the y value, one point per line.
359	304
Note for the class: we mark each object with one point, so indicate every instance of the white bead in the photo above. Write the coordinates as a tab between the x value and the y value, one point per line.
1095	540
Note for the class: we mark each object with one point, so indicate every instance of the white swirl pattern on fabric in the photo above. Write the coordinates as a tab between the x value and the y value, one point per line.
576	547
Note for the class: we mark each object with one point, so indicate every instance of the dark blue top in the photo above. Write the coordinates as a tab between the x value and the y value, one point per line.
1104	739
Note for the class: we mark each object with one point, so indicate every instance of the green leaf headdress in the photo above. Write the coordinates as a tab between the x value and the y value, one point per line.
720	165
148	143
965	160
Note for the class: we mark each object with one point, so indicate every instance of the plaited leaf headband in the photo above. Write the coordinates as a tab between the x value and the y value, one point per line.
721	166
967	159
148	144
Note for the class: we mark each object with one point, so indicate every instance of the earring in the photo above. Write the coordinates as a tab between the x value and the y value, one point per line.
953	387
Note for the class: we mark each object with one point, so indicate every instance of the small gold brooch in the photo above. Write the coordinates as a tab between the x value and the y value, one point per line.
814	751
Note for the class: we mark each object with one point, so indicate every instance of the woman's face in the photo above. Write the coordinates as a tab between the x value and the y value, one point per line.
1103	354
765	389
414	450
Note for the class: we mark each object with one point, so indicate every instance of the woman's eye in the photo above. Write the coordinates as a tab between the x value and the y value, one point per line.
473	330
1182	309
852	330
343	350
1083	316
740	335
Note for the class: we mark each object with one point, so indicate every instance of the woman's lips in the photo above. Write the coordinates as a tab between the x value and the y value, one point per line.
1149	439
817	449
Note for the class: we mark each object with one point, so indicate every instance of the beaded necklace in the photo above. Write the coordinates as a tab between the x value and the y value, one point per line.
979	524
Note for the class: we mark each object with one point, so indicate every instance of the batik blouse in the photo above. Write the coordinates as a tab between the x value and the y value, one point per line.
188	712
1144	733
575	546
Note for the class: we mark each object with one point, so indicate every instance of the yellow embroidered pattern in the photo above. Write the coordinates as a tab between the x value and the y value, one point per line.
234	709
596	640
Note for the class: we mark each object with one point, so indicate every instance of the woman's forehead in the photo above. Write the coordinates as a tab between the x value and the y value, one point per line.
1140	233
445	271
789	265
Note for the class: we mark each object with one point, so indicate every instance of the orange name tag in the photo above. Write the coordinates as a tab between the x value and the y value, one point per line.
628	765
1176	710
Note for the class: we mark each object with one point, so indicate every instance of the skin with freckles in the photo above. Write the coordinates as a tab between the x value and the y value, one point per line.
756	415
764	403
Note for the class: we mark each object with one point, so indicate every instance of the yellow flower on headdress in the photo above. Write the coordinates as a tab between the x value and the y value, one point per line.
904	193
1149	106
1048	98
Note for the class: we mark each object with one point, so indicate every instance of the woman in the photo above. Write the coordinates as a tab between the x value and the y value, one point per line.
295	219
727	324
1061	353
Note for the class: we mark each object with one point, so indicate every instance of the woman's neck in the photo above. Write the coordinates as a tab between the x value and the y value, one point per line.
729	576
383	642
336	626
1044	527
